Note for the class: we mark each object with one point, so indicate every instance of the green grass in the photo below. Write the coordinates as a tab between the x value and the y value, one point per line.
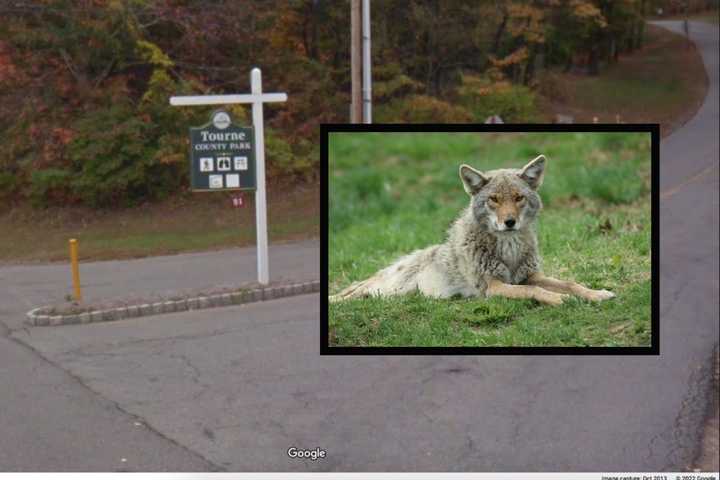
393	193
185	223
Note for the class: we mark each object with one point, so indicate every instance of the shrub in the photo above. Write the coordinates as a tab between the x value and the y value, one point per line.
483	97
390	81
49	185
421	109
9	184
114	157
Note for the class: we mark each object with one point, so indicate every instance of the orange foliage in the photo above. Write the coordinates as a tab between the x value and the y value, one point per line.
585	10
9	74
63	135
526	21
287	31
516	57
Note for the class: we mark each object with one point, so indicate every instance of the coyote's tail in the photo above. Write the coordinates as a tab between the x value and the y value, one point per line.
356	290
399	278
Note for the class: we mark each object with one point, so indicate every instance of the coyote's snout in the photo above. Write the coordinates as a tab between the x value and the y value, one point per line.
491	249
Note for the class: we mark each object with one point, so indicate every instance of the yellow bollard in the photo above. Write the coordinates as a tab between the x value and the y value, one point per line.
75	269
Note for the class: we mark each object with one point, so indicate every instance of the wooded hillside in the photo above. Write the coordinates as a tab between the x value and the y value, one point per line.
84	85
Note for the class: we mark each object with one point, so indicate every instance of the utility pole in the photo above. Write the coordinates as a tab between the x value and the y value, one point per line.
356	108
367	73
686	24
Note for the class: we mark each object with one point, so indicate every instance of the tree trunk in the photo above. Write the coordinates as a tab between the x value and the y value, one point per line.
498	34
594	61
641	33
310	33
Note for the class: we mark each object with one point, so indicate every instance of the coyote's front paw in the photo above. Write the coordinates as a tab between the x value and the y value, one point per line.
600	295
552	298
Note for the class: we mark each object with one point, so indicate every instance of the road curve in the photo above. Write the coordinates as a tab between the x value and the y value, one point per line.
585	413
568	413
266	388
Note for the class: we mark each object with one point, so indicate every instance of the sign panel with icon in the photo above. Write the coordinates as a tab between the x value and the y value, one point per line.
222	155
240	163
216	140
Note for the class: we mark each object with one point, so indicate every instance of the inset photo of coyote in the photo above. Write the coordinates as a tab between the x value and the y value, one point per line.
549	244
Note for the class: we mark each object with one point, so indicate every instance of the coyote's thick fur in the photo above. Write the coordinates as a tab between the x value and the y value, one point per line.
491	249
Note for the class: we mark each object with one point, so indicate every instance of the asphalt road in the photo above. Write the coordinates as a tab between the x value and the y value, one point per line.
238	386
49	419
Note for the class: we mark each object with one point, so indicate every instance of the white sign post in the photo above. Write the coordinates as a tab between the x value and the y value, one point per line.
257	98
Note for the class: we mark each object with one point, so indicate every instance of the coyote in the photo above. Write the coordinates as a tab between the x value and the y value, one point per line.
491	249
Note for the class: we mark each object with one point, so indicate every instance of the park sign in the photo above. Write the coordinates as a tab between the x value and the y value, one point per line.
222	155
257	98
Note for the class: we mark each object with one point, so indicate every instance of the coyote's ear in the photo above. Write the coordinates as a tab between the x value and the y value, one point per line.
472	180
533	172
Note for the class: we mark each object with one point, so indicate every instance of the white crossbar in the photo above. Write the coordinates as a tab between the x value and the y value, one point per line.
227	99
257	98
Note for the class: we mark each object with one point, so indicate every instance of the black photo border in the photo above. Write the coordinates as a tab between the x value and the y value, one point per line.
652	129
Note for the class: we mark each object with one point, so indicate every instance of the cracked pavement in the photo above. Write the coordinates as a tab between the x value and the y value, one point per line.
233	388
53	419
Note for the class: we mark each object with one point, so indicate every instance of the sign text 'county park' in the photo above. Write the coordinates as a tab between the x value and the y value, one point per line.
222	155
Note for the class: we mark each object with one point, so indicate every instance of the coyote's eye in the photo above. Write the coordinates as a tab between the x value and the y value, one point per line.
493	199
519	199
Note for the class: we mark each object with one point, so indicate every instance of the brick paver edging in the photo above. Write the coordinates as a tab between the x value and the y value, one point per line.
40	317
